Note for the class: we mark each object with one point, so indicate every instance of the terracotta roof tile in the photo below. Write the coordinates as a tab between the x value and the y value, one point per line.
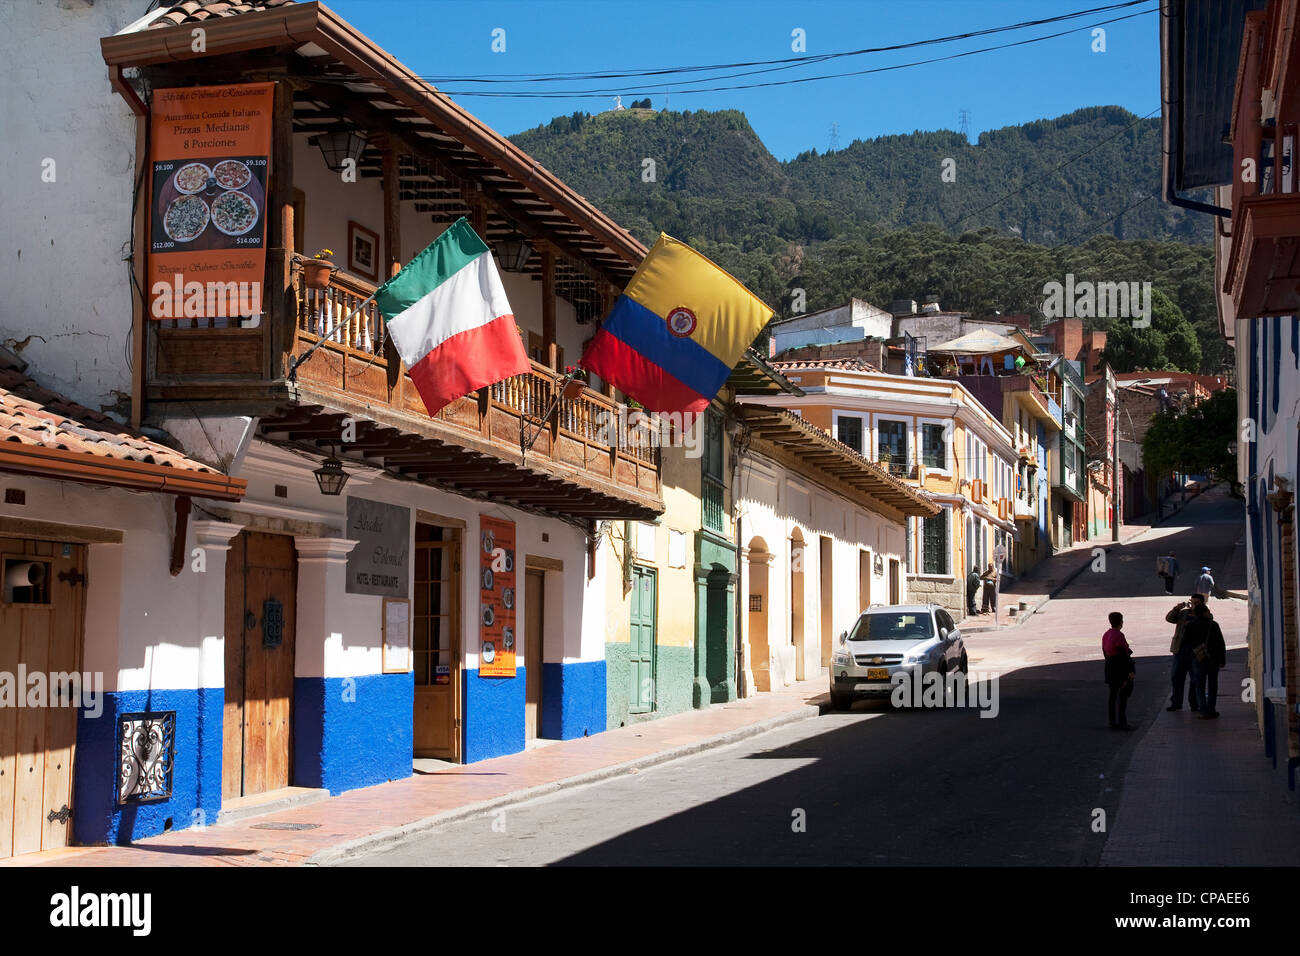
33	415
196	11
848	364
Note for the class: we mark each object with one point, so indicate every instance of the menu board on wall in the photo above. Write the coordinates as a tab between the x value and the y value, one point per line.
381	561
496	587
209	158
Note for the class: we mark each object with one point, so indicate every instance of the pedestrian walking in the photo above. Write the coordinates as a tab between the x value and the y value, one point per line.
972	589
1120	671
1167	568
1180	616
1205	584
1210	655
990	579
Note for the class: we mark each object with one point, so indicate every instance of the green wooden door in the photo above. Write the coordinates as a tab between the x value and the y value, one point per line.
641	678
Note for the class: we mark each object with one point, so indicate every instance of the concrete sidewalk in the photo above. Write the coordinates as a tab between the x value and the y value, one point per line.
352	823
1201	792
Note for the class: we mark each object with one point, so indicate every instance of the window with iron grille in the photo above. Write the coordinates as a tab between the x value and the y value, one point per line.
850	431
934	544
934	450
712	490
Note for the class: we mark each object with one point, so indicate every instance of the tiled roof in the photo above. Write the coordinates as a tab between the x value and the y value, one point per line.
196	11
32	415
847	364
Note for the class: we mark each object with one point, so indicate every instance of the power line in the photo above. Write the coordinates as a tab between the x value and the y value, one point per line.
785	63
678	87
1076	236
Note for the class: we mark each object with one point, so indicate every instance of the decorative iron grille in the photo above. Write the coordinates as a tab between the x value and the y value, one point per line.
146	748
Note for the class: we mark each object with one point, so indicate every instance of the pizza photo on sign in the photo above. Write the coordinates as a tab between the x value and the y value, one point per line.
186	218
192	178
226	194
234	213
231	174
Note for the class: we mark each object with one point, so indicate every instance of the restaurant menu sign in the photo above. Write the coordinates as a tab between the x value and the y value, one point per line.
496	560
381	561
209	160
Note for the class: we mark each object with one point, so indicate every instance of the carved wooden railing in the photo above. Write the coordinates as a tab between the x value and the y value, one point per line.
580	430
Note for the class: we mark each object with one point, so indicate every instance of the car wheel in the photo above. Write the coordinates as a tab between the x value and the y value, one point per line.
964	667
841	701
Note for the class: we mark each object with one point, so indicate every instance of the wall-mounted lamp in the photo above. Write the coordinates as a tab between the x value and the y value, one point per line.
340	145
514	253
330	476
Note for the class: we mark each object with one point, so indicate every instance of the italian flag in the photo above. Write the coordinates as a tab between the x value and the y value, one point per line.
449	319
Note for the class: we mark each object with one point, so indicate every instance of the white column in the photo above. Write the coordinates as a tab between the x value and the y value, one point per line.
322	590
214	538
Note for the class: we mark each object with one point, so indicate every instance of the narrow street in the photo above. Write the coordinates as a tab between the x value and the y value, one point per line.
874	786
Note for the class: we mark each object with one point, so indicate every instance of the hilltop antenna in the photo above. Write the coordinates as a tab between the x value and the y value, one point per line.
963	123
835	138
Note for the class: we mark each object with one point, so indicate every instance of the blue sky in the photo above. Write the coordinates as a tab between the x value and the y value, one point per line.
446	38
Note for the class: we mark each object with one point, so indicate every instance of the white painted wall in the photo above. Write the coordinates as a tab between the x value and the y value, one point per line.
773	503
66	306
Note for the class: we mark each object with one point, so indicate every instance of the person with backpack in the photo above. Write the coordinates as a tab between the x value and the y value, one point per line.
1181	615
1167	568
1120	671
1209	656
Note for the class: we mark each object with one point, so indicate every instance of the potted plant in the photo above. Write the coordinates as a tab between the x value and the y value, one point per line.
316	270
575	382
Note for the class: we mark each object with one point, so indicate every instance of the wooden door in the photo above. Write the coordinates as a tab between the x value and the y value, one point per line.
436	642
864	580
261	589
895	584
640	692
534	641
41	629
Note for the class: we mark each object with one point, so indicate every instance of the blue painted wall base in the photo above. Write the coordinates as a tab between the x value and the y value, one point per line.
196	770
351	732
493	715
573	699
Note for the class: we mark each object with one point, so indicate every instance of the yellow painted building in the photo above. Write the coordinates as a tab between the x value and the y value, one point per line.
933	434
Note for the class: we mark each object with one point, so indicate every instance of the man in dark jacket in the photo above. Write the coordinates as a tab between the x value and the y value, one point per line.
972	589
1181	615
1209	654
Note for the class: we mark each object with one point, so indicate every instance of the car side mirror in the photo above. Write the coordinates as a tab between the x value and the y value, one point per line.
844	636
943	632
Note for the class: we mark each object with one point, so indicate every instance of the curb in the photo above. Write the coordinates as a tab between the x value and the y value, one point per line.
332	856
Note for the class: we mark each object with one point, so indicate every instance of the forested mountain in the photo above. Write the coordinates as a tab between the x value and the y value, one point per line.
878	220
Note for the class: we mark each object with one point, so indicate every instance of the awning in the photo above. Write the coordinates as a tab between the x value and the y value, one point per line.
818	451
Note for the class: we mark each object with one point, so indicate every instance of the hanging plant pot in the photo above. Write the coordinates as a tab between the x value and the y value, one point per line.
316	273
573	389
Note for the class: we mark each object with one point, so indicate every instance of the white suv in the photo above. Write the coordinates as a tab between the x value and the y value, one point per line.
887	640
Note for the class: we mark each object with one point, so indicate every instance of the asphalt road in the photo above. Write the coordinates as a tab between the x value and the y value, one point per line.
874	786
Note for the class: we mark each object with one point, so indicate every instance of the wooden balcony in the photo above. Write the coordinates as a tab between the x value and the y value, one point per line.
1262	272
520	441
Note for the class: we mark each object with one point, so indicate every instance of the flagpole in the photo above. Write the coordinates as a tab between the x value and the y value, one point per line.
293	369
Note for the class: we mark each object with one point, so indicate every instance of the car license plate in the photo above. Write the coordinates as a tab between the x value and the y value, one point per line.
877	673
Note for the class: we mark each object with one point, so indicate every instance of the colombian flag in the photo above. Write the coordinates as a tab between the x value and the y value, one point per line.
677	330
